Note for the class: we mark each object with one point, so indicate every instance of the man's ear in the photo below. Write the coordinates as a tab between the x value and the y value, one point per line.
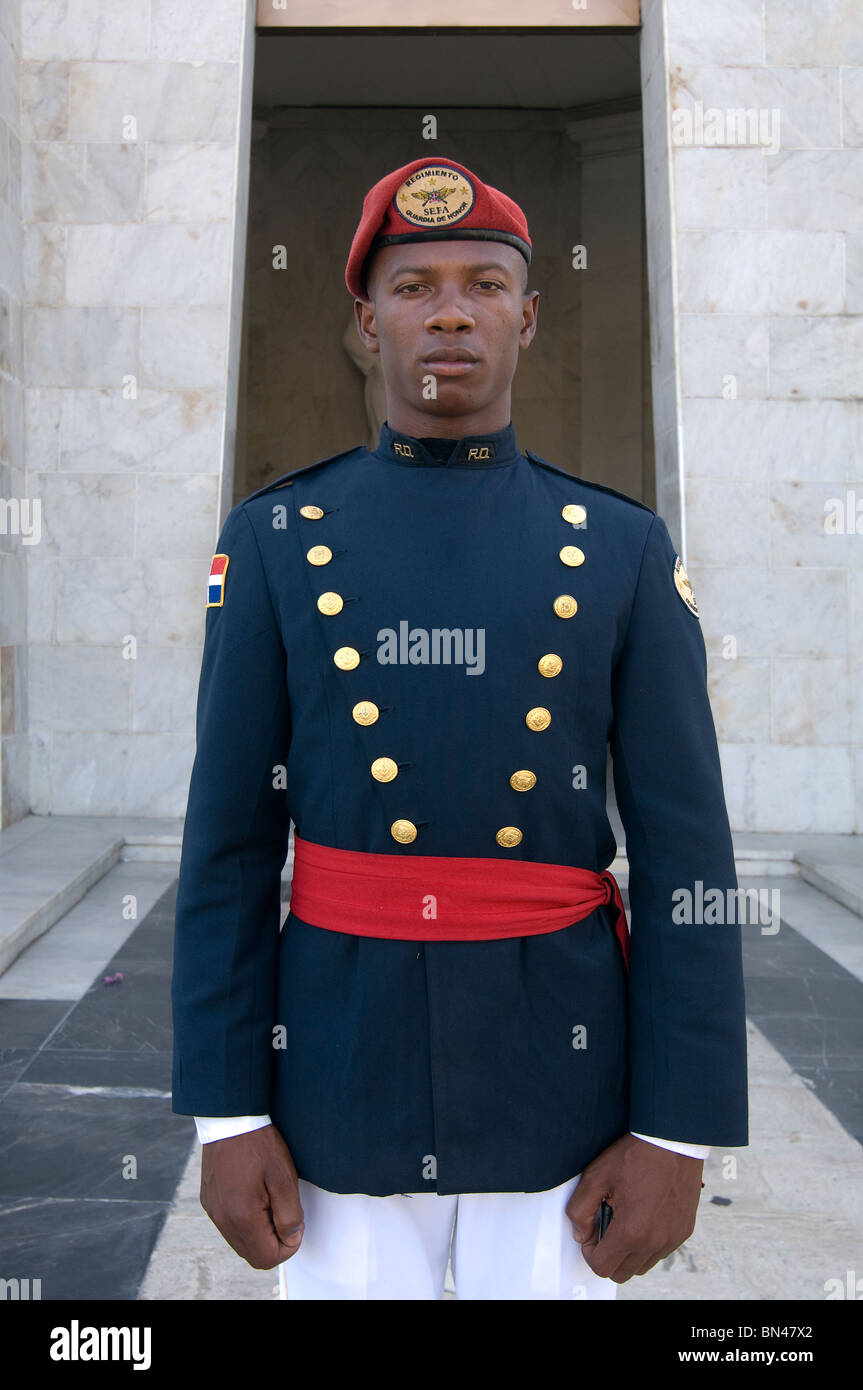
530	309
364	312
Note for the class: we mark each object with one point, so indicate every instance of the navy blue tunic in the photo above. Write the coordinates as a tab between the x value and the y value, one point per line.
468	1066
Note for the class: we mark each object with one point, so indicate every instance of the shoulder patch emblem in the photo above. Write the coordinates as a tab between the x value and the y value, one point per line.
683	586
216	581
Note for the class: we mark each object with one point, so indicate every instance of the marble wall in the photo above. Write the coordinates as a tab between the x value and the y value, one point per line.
754	161
130	243
122	247
15	522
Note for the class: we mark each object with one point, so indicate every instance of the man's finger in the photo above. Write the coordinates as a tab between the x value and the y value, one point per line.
583	1207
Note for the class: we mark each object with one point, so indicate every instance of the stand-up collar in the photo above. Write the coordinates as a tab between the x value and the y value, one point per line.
471	451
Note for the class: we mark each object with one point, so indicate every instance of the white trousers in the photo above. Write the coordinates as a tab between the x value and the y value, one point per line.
505	1245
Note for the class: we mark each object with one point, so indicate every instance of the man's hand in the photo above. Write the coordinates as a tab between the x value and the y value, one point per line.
653	1194
249	1191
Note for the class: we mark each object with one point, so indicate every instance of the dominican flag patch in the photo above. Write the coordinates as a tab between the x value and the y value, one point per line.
216	581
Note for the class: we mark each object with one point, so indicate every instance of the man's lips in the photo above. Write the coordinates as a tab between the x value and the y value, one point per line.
450	361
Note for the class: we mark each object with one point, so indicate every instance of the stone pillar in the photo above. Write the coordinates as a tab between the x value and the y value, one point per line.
754	167
15	516
135	153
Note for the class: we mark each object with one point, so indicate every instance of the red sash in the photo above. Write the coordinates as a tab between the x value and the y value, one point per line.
439	898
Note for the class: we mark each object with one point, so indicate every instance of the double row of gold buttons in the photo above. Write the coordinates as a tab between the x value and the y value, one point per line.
550	665
366	712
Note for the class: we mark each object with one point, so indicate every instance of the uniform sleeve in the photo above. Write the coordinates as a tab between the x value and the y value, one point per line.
235	842
687	1034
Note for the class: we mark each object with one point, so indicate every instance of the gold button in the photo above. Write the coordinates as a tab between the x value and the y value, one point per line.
404	831
313	513
575	513
321	555
571	555
550	665
331	603
365	712
384	769
523	780
508	836
346	658
565	605
537	719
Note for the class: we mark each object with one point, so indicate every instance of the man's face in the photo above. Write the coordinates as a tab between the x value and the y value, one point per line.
449	319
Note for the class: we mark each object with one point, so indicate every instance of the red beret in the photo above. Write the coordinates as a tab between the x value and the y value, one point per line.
433	200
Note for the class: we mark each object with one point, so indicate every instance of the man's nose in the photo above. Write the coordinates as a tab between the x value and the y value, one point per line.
449	311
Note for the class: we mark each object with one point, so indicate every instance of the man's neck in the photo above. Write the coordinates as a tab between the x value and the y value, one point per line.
421	425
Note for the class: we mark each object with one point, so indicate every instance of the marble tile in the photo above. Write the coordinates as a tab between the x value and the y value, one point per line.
158	601
41	597
799	33
794	107
81	1249
183	349
811	701
816	357
28	1023
64	680
117	1070
171	102
799	516
701	32
72	183
197	29
164	689
779	612
69	346
9	83
854	273
726	522
133	1015
740	698
156	431
171	265
795	440
12	292
13	613
86	514
783	788
719	188
761	272
816	190
42	426
66	1141
12	421
44	261
176	516
44	100
852	106
114	773
83	29
723	353
190	183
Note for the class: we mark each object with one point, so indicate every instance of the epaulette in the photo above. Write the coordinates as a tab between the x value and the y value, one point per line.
600	487
287	478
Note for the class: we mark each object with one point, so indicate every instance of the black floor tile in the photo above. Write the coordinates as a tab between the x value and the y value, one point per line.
80	1249
56	1143
78	1067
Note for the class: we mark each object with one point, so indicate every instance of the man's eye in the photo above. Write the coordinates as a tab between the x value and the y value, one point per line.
401	288
493	283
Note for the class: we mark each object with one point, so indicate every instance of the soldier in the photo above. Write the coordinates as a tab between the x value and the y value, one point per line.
420	654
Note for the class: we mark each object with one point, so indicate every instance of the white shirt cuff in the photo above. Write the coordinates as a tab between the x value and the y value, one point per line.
212	1127
689	1150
